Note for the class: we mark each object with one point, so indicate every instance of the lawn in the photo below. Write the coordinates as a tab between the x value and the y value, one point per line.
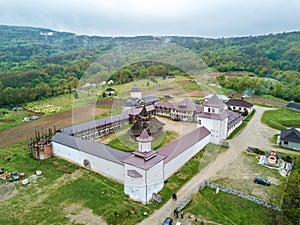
65	189
123	141
224	208
9	118
281	119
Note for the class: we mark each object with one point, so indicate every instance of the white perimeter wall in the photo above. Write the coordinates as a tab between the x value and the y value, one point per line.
218	128
172	166
142	188
105	167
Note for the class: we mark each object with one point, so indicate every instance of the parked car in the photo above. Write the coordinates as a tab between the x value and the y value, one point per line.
178	223
262	181
168	221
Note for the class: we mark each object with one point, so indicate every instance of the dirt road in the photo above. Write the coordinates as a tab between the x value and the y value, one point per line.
26	130
255	134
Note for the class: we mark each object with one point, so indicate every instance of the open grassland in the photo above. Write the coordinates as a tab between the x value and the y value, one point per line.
281	119
65	191
224	208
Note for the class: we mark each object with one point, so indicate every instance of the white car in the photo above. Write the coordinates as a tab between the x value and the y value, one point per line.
178	223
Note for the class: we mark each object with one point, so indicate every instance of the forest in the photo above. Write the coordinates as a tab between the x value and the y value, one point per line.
37	63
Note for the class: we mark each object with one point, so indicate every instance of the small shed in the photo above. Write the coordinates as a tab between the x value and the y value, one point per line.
290	138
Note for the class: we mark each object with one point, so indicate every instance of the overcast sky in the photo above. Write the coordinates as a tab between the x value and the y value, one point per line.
205	18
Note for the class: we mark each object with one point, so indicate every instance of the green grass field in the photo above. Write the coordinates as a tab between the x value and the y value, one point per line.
224	208
65	188
123	142
281	119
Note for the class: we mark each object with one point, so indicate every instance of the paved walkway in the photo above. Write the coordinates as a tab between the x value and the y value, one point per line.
255	134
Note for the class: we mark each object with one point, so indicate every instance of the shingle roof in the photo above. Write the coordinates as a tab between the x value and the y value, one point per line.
146	100
135	89
222	97
150	99
136	111
294	106
233	119
142	163
131	102
93	148
181	144
214	101
292	135
239	103
187	105
223	115
144	137
167	105
144	112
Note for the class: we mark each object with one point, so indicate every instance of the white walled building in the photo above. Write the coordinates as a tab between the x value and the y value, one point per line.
144	171
217	119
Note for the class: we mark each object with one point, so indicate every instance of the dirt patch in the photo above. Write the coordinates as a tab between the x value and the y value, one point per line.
78	214
261	100
181	175
26	130
268	101
7	191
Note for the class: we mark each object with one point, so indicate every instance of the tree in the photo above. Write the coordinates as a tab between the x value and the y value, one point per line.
291	200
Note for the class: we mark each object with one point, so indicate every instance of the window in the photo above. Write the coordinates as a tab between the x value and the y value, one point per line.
199	121
208	109
286	142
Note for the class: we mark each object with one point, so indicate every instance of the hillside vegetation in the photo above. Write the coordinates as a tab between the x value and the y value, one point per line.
36	63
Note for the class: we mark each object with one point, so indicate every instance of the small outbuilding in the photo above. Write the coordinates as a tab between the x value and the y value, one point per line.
290	138
238	105
294	106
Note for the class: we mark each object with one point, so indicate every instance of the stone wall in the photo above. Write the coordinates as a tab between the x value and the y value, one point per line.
242	195
181	205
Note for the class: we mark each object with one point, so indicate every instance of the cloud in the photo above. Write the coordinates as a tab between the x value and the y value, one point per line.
214	18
